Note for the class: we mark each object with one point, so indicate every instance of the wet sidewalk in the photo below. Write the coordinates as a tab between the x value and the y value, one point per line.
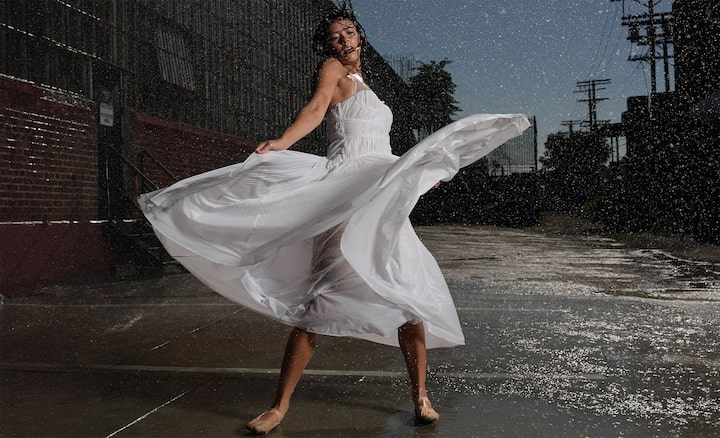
565	337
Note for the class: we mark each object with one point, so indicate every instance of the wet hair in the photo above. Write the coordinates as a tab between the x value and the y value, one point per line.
320	39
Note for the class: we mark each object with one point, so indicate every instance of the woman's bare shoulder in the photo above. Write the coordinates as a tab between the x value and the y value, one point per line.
333	67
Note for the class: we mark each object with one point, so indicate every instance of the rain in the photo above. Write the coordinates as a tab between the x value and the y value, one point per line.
583	256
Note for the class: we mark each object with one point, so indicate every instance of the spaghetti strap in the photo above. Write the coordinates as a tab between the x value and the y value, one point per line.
359	82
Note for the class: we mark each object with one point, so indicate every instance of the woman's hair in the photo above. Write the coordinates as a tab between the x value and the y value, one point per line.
320	39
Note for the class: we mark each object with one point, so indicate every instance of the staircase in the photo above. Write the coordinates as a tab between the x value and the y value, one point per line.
127	230
136	239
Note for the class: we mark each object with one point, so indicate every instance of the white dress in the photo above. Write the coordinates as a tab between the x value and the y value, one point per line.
324	243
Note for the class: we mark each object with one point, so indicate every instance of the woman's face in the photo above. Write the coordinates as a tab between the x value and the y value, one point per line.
343	40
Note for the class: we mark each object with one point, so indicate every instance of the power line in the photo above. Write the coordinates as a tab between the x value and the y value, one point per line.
651	30
571	124
600	54
591	88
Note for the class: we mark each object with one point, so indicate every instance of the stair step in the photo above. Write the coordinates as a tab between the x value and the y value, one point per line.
140	235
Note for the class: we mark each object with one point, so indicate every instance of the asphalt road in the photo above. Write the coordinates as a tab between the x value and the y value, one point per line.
566	337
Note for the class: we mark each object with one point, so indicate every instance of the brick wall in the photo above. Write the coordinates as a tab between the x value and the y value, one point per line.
49	156
49	232
48	189
183	149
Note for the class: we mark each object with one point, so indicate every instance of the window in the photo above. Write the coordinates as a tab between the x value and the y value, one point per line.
174	59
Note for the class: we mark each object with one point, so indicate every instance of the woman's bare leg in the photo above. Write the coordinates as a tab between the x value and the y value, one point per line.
412	345
301	344
298	352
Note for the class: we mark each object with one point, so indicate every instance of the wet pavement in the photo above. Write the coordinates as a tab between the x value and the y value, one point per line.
571	337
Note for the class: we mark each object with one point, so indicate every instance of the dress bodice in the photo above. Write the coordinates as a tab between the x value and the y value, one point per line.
358	126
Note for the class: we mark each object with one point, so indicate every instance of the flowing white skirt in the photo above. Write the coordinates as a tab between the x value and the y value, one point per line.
328	250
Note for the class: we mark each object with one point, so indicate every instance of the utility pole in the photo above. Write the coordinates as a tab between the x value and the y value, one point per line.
591	88
658	29
571	124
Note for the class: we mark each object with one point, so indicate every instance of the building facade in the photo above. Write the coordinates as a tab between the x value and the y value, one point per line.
697	49
673	161
102	99
518	155
696	38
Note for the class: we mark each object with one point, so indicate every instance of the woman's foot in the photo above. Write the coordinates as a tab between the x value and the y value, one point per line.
424	412
265	422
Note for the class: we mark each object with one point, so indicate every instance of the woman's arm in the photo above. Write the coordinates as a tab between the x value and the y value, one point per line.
312	114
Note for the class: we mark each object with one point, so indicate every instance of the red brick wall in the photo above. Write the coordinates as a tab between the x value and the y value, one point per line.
48	153
38	254
183	149
48	189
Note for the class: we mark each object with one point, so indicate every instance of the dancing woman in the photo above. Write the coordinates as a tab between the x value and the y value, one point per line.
324	244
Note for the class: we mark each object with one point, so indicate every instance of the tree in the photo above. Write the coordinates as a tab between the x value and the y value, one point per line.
578	152
432	90
575	167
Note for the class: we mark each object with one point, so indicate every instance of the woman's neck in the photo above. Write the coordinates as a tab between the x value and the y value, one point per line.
353	69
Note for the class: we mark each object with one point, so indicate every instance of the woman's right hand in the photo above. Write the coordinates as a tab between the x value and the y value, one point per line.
313	113
269	145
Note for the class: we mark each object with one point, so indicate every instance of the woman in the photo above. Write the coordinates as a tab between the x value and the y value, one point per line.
324	243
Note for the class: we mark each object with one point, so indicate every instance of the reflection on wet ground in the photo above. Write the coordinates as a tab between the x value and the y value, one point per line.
565	337
591	261
695	276
628	358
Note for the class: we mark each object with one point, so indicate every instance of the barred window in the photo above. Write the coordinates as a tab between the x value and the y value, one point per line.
174	59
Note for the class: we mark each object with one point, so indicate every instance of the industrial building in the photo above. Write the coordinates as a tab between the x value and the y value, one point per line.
103	99
518	155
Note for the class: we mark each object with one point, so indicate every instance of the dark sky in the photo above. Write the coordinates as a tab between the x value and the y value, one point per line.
518	55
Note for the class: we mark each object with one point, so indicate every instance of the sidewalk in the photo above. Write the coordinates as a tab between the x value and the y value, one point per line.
558	344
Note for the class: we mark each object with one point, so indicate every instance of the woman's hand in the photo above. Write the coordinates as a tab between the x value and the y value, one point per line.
313	113
270	145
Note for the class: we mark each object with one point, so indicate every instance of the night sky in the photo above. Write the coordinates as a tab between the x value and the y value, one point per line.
519	55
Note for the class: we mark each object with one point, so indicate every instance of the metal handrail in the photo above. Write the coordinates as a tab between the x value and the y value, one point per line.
130	223
139	173
141	159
